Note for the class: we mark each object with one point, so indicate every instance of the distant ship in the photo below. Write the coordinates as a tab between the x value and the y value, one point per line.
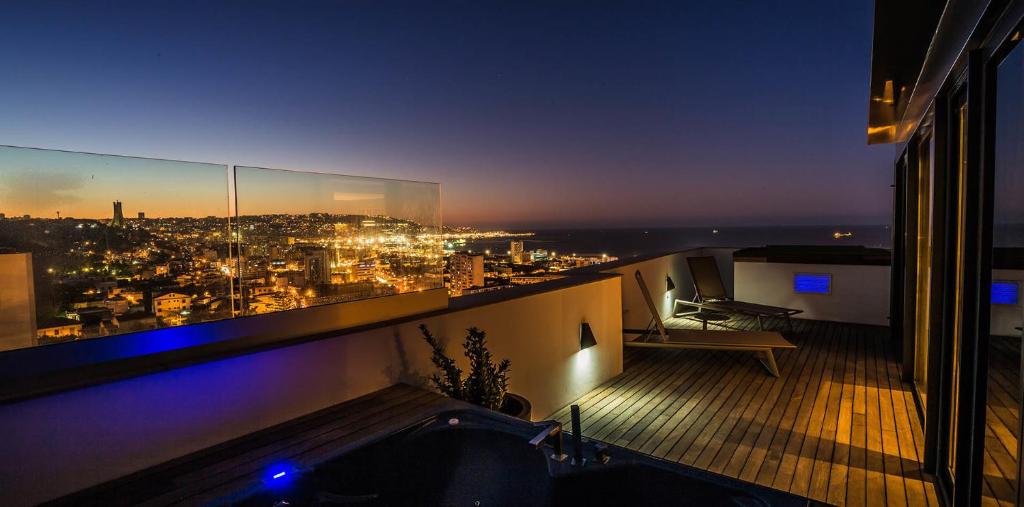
840	235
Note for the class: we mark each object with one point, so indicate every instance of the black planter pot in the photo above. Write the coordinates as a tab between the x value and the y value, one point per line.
516	406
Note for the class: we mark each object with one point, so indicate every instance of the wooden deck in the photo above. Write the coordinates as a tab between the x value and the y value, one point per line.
1002	421
838	426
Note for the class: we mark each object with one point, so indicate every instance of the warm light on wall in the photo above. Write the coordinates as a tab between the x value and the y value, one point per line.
886	130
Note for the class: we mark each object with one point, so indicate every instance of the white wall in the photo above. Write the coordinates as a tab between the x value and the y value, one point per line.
860	294
1005	318
58	444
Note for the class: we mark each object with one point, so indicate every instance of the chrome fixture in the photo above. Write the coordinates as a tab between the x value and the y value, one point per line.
552	434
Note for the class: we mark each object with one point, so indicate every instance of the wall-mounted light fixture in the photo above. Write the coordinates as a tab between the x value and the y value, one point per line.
669	284
587	339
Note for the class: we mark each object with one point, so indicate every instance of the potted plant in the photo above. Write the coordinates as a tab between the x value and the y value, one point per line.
487	382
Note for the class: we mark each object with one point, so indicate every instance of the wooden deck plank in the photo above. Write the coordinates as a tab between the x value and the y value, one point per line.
651	436
838	426
616	402
817	471
909	457
798	401
722	450
682	375
840	462
708	444
689	429
710	418
1002	421
747	446
895	487
798	462
597	398
856	491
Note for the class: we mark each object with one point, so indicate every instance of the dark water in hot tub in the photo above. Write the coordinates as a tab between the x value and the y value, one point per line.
477	464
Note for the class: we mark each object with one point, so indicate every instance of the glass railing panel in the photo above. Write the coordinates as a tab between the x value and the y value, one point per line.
308	239
96	245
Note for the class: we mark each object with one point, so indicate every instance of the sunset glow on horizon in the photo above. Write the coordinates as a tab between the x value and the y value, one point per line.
568	114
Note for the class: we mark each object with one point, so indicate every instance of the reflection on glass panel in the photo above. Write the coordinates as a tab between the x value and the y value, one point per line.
95	245
961	210
1002	414
308	239
924	266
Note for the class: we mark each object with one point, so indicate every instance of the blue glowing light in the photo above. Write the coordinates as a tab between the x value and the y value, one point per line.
812	283
1005	293
280	475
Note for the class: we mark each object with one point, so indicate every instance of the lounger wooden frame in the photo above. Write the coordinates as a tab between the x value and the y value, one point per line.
762	343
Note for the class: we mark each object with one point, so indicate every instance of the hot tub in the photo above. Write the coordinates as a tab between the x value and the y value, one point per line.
476	458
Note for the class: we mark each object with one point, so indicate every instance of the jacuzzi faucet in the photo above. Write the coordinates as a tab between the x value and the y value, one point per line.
552	433
577	437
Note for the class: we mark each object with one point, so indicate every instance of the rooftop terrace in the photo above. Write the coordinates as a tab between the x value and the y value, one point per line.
838	426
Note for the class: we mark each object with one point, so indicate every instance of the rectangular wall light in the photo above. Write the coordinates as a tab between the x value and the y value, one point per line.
1005	292
812	283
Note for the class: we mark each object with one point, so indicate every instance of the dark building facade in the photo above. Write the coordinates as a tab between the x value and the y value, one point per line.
118	220
947	87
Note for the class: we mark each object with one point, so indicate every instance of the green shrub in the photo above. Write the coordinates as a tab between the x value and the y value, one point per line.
486	384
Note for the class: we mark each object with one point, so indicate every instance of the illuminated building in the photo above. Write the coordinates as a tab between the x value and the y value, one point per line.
59	329
366	270
467	271
118	305
516	251
171	305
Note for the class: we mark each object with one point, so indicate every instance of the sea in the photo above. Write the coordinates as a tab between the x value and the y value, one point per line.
632	242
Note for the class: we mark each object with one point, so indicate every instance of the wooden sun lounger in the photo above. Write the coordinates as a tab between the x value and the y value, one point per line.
712	296
763	343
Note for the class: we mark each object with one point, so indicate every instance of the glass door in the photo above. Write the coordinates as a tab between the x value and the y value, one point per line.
1006	315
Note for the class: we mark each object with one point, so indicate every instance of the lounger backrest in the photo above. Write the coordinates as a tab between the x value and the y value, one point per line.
655	316
707	280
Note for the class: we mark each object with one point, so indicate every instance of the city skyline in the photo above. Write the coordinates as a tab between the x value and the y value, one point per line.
542	122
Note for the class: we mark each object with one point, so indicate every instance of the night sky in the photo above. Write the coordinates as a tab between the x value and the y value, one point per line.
529	114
